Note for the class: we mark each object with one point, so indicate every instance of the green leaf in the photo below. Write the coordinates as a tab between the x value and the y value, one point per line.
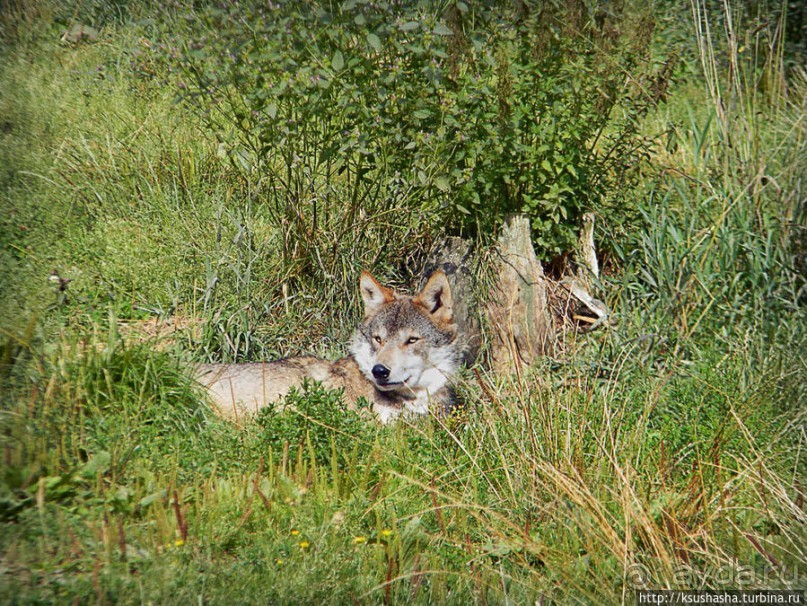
338	61
409	26
148	500
99	463
374	42
441	29
442	183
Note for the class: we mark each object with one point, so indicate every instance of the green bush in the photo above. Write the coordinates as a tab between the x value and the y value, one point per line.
456	114
316	420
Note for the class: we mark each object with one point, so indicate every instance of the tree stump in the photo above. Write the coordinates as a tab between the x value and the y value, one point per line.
517	311
514	312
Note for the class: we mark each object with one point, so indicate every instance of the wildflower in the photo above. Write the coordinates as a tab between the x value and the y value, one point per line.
359	540
386	533
294	532
304	544
279	562
179	543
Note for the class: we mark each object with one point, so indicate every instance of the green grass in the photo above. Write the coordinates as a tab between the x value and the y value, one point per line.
664	451
560	484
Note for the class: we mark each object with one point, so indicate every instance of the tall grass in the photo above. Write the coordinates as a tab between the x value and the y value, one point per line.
726	220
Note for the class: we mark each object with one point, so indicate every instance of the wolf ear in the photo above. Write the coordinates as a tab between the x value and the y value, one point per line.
373	294
436	297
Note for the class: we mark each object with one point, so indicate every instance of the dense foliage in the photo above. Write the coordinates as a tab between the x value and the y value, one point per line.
459	113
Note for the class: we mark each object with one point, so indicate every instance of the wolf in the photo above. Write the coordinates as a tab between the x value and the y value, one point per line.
403	357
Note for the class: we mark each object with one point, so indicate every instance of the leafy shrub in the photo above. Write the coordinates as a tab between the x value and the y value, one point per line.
398	115
317	420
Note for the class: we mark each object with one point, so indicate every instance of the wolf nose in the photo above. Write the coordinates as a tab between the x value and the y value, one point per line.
381	372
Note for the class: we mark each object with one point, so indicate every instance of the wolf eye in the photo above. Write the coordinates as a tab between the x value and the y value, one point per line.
377	339
412	340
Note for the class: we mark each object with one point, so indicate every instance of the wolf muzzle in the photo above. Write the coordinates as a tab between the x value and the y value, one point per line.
381	373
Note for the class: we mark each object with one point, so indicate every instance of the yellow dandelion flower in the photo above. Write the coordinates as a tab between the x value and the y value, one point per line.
359	540
279	562
386	533
179	543
304	544
294	532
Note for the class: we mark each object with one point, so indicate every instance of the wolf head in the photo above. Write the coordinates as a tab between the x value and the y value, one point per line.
407	344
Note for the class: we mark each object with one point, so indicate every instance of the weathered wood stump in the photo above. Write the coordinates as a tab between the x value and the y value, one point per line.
514	312
517	313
